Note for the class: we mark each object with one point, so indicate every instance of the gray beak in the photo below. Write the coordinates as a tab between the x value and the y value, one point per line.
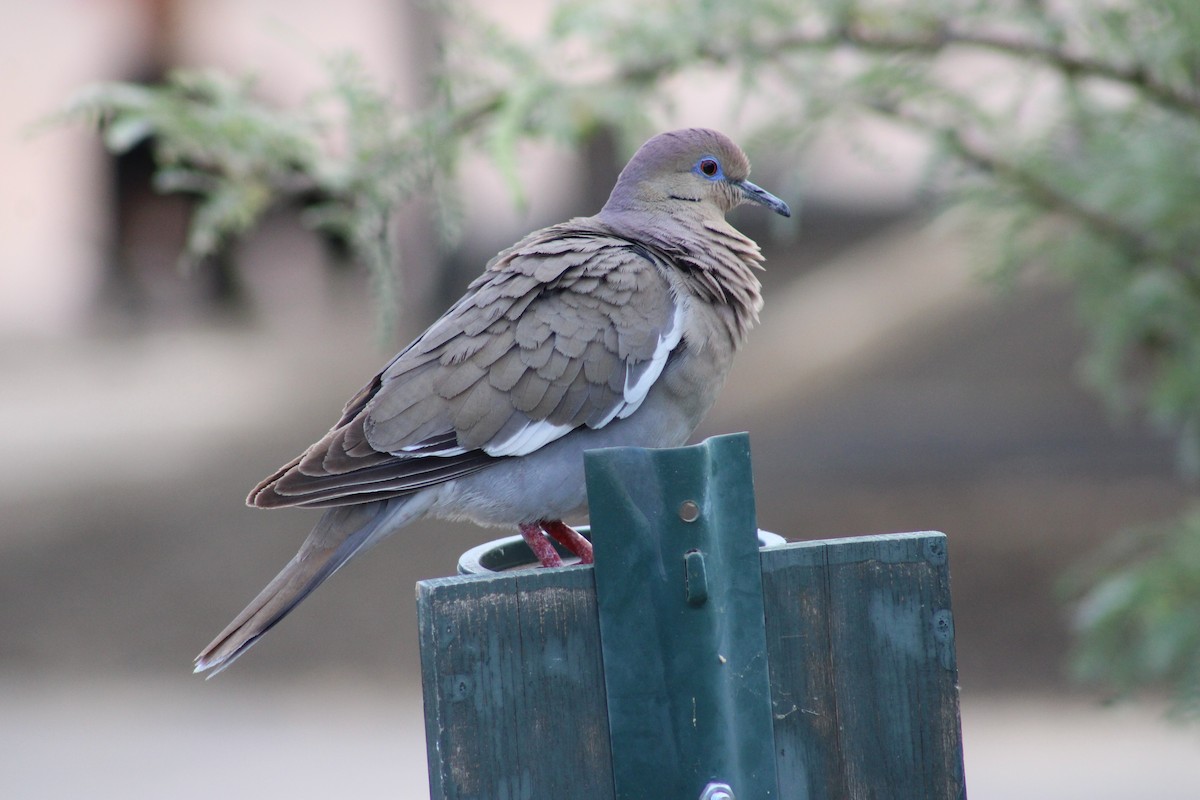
756	194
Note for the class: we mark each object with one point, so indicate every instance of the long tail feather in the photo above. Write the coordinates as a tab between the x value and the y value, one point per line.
341	534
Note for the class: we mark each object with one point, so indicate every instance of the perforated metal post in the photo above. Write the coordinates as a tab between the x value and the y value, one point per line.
679	592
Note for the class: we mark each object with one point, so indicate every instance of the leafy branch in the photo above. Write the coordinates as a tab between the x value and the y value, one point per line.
1137	76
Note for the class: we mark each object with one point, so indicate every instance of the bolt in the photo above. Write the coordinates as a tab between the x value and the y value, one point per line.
689	511
717	791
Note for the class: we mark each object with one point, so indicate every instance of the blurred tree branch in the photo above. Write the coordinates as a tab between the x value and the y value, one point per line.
1136	75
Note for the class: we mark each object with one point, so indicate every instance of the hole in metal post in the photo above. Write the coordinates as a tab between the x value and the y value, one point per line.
689	511
695	578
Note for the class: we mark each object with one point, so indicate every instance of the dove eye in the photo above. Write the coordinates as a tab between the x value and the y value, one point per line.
709	167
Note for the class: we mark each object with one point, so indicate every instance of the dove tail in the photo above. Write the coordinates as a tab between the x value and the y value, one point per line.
341	534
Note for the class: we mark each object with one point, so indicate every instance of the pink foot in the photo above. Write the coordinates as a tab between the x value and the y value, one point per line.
569	538
547	556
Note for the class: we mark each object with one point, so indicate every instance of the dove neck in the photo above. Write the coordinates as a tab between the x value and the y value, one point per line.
717	262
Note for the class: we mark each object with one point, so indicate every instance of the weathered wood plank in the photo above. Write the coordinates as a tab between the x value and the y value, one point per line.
514	693
803	691
860	652
861	630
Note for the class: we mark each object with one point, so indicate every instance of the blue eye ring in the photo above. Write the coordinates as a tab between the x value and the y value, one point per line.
710	168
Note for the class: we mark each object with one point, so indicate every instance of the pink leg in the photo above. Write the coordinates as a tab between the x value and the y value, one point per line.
547	556
569	538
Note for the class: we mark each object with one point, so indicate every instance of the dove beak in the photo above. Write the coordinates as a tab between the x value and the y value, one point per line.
756	194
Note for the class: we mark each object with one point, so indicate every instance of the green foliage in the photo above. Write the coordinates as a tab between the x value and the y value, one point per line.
1136	613
347	157
215	141
1068	133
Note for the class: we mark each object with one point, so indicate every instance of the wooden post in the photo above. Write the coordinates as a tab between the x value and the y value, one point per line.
860	655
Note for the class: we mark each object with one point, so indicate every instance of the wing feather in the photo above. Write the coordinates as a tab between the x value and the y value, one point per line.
572	326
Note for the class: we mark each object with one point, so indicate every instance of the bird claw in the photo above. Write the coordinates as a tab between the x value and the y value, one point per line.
535	533
547	556
570	538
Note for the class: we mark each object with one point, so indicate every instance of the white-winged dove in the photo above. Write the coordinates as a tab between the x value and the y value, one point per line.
611	330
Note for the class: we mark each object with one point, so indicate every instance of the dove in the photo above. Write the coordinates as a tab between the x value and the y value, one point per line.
611	330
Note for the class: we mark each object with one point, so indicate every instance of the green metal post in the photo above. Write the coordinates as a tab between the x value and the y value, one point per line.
679	592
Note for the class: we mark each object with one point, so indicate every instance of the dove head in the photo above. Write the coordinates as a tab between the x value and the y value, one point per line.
688	173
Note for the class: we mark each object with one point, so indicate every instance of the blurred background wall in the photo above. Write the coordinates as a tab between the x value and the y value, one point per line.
886	390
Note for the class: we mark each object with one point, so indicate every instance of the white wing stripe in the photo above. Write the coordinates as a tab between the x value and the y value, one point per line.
530	437
420	450
636	392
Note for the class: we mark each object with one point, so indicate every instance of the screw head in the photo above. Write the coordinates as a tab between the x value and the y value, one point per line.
717	791
689	511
